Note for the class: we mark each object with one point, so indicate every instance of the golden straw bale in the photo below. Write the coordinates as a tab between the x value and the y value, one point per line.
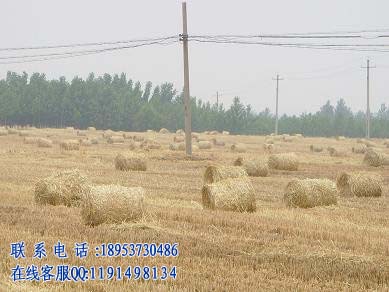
23	134
214	133
127	136
115	139
308	193
30	140
268	147
150	144
138	138
253	167
375	158
70	128
94	141
269	141
81	133
225	133
180	132
86	142
206	132
164	131
151	131
112	204
179	139
361	140
336	152
216	173
288	138
13	131
386	142
3	132
218	142
91	129
235	194
359	148
45	143
195	135
360	184
205	145
299	135
340	138
131	161
316	148
70	145
177	146
62	188
370	143
108	133
238	147
284	161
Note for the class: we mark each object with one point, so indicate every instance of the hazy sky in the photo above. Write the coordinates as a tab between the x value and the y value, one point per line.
311	76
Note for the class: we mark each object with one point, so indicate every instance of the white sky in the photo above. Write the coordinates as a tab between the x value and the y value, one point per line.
311	76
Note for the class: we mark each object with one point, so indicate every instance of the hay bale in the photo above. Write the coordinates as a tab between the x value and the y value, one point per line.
23	133
45	143
177	146
216	173
253	167
308	193
62	188
179	139
315	148
164	131
370	143
288	138
138	138
299	135
218	142
115	139
269	141
91	129
268	147
360	184
131	161
108	133
13	131
225	133
70	145
112	204
386	142
284	161
336	152
361	141
127	136
195	135
239	148
375	158
86	142
151	131
340	138
214	133
234	194
205	145
180	132
3	132
150	144
206	132
81	133
30	140
359	149
70	128
94	141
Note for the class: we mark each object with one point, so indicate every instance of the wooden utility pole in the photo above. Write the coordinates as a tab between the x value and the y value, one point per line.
217	99
368	67
188	118
276	126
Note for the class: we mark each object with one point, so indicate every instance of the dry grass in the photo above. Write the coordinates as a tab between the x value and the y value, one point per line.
340	247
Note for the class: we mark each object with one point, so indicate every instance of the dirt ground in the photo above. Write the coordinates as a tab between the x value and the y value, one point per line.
344	247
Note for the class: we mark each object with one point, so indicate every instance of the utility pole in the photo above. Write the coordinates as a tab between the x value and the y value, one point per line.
368	67
278	80
188	118
217	99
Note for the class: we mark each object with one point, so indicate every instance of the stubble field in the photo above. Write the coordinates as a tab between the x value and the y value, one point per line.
341	248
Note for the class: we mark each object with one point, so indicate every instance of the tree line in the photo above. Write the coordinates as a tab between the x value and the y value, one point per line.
119	103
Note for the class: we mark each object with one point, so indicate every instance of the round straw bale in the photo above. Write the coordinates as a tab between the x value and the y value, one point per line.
115	139
3	132
316	148
239	148
225	133
370	143
62	188
206	132
177	146
179	139
236	194
94	141
339	138
360	184
164	131
70	128
361	140
130	161
69	145
30	140
359	148
205	145
91	129
214	133
216	173
81	133
268	147
150	144
45	143
218	142
86	142
284	161
23	133
299	135
336	152
138	138
253	167
269	141
150	131
195	135
112	204
127	136
288	138
180	132
375	158
13	131
308	193
108	133
386	142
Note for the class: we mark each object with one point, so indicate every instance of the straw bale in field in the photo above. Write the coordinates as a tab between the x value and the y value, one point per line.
45	143
225	133
336	152
238	147
214	133
23	133
86	142
339	138
127	136
177	146
94	141
359	148
131	161
13	131
316	148
386	142
62	188
268	147
115	139
308	193
81	133
150	144
234	194
299	135
195	135
180	132
360	184
205	145
150	131
206	132
375	158
288	138
283	161
138	138
91	129
70	145
112	204
269	141
253	167
108	133
3	132
218	142
361	140
216	173
70	128
164	131
30	140
370	143
179	139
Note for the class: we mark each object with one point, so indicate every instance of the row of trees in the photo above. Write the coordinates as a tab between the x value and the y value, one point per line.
119	103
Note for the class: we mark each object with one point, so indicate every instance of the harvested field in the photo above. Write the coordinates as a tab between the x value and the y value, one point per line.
340	247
